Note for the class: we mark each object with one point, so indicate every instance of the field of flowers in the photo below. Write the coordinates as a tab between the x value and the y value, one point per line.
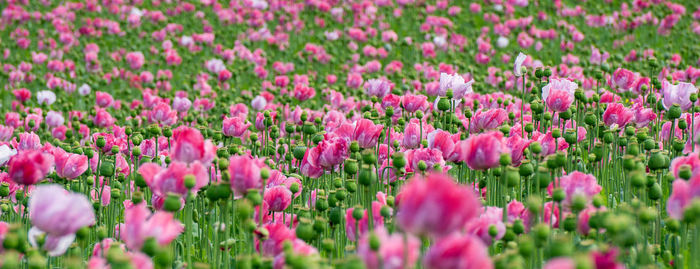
379	134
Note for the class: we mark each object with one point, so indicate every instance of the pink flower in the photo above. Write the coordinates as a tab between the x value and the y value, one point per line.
560	263
394	252
490	216
483	151
69	165
516	210
28	141
135	60
140	224
310	165
367	133
30	166
181	104
163	114
377	87
411	135
278	198
412	103
259	103
430	157
642	115
235	126
444	142
303	92
677	94
517	146
354	80
597	57
617	114
333	151
6	133
163	181
692	161
245	174
59	214
103	99
585	216
559	94
54	119
102	118
435	205
188	145
458	251
624	79
488	120
577	184
680	198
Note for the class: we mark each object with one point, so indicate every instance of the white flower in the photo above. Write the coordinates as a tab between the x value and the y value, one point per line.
440	41
259	103
84	90
502	42
46	97
6	153
456	83
517	69
332	35
259	4
215	66
136	12
186	41
55	245
498	8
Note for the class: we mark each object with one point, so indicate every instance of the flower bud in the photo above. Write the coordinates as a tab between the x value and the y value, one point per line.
172	203
558	195
674	112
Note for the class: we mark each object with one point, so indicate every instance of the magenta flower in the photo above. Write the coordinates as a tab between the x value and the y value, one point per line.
30	166
617	115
